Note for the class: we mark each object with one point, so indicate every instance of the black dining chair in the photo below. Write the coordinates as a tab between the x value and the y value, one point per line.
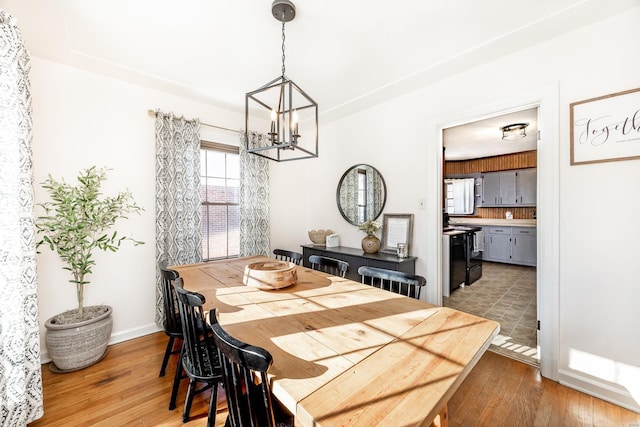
199	356
289	256
405	284
329	265
246	384
171	324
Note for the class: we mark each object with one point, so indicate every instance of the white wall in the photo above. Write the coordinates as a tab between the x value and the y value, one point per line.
598	288
82	119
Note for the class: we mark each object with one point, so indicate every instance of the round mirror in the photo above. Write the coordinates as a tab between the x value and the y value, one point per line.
361	194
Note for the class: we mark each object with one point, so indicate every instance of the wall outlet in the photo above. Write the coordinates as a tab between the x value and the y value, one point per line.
422	204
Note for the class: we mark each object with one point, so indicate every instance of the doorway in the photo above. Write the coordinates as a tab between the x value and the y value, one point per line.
506	291
547	99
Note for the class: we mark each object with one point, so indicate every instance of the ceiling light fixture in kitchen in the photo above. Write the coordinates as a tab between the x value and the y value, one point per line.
289	114
514	131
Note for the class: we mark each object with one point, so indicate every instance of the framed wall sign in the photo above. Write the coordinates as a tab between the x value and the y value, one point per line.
396	228
606	128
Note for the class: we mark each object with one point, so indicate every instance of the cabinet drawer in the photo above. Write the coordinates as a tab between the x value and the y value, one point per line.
524	231
498	230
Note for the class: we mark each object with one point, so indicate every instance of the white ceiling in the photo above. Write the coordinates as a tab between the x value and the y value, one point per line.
347	55
483	138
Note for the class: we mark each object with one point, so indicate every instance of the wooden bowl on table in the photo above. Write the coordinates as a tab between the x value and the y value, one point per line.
270	275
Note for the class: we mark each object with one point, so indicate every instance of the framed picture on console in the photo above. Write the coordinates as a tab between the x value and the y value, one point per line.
396	228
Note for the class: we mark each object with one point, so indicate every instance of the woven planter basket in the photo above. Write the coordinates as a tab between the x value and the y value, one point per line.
75	346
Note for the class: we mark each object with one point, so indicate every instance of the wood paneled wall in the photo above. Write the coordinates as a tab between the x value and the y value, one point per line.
518	213
522	160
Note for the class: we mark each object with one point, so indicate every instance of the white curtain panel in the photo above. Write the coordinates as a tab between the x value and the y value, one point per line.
20	374
254	199
178	198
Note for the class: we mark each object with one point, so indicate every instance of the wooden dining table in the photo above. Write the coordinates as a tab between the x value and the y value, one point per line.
345	353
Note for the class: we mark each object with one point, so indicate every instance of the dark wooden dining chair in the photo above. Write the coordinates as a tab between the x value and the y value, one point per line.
329	265
289	256
171	324
199	356
246	384
394	281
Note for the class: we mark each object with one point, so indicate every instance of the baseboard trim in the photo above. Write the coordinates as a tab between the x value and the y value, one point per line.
602	390
116	338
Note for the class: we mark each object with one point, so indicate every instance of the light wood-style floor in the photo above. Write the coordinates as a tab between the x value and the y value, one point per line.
124	390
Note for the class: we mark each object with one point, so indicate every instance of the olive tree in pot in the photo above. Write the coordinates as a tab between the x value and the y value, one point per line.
76	221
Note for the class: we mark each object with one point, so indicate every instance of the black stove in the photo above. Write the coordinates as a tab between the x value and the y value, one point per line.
466	255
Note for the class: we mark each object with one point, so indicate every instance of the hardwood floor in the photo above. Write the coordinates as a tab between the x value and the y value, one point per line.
124	390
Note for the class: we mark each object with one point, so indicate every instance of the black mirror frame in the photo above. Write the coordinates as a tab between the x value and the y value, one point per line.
384	187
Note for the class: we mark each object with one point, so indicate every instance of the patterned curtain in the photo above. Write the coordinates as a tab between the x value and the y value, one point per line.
375	197
20	374
178	198
349	195
254	199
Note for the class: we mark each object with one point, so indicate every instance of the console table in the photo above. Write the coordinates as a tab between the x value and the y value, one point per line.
357	257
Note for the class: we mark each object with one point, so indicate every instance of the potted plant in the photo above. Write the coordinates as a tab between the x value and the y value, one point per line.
77	221
370	243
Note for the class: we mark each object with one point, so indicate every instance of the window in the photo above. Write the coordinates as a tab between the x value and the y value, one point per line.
220	190
362	196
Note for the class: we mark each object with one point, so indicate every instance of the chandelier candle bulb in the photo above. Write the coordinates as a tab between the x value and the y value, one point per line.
274	116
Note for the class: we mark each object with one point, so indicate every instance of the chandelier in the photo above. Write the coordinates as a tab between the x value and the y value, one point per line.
288	115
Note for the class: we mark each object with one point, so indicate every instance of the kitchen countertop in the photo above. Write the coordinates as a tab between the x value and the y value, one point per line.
452	232
493	221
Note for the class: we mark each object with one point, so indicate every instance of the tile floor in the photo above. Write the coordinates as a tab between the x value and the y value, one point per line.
507	294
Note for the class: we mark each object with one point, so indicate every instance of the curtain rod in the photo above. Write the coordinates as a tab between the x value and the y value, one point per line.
153	114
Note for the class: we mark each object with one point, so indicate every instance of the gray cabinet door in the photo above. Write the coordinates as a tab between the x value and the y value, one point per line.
491	189
523	245
526	187
498	244
508	188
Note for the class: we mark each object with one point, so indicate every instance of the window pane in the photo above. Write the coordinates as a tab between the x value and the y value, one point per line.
233	166
217	231
216	190
233	191
215	163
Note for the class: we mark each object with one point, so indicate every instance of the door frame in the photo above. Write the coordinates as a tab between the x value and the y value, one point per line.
546	99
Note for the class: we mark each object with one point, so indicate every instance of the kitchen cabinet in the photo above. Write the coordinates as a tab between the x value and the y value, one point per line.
512	245
356	258
497	244
526	187
509	188
523	248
